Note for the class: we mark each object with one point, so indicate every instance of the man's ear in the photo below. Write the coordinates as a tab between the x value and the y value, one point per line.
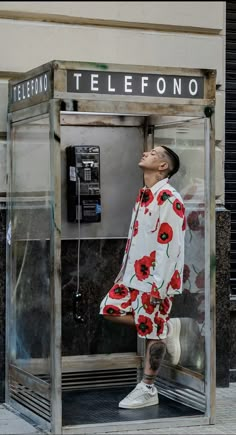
164	166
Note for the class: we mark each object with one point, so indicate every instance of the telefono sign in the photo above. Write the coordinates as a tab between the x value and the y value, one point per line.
121	83
33	87
113	83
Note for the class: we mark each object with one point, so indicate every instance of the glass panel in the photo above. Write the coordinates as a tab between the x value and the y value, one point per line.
29	234
90	265
188	140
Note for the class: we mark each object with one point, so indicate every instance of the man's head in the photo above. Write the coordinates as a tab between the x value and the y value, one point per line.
161	160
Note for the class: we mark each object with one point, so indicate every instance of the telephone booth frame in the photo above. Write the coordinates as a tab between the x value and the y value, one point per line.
56	87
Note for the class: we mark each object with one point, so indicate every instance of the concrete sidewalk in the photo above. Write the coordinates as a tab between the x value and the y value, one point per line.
12	423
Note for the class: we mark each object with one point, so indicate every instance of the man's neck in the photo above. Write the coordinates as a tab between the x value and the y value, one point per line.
150	179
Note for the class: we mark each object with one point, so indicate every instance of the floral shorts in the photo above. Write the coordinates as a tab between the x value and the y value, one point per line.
150	321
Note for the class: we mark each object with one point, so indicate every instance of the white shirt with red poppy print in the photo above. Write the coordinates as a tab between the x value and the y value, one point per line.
154	255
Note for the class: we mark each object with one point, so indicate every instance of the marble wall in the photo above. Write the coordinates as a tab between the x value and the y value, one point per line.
232	340
224	330
99	265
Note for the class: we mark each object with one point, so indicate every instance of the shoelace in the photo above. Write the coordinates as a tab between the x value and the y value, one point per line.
133	394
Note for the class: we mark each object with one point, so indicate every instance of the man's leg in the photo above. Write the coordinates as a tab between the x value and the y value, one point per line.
155	354
152	324
145	393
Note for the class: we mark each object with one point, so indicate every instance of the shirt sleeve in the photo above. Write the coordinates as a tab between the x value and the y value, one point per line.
128	241
168	268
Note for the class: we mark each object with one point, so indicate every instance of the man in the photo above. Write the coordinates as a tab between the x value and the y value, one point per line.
151	271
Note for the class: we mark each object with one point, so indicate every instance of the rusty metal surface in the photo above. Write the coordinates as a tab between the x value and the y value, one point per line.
67	118
55	276
58	85
28	380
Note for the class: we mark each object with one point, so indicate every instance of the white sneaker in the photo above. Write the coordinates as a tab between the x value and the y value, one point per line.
173	340
140	397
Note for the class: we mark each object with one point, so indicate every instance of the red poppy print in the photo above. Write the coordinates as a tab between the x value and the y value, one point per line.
163	196
165	306
146	303
126	304
194	222
184	224
144	326
133	294
178	207
159	323
175	282
145	197
200	279
165	233
135	232
118	292
155	292
142	268
111	310
186	273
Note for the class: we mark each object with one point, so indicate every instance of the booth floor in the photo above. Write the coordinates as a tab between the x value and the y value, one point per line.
101	406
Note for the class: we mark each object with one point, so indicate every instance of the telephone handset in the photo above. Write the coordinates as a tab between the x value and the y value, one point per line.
83	183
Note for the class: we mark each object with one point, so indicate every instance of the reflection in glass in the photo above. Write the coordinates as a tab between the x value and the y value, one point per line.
188	140
30	247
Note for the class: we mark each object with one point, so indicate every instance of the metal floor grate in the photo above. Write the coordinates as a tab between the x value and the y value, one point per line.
97	379
31	400
101	406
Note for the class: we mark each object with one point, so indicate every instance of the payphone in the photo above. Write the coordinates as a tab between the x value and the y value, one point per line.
83	183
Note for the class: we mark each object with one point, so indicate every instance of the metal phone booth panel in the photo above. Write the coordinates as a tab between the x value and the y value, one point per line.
75	135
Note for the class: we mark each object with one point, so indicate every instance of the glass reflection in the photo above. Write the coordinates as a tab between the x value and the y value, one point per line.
30	247
187	139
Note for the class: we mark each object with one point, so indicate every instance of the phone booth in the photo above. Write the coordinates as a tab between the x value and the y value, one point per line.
76	132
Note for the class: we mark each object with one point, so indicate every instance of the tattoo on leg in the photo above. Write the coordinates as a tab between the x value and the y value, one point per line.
157	352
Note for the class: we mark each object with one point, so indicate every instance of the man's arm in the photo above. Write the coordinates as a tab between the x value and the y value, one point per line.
169	250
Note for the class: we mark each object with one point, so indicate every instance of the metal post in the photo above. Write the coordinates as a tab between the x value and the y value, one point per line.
210	309
8	260
55	355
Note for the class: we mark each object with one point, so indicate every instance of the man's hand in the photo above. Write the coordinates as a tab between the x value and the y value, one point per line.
154	301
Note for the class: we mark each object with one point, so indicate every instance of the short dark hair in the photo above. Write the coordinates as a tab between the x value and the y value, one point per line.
174	160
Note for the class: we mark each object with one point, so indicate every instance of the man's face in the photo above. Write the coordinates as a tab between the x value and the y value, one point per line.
154	160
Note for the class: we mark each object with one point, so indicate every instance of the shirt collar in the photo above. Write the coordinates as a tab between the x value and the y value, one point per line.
158	186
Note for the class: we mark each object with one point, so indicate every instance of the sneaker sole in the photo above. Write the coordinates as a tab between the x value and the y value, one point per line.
156	402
